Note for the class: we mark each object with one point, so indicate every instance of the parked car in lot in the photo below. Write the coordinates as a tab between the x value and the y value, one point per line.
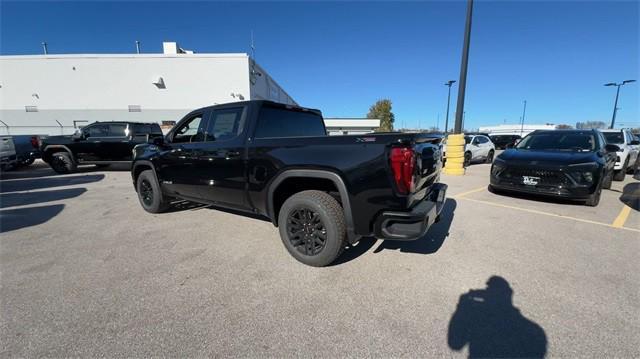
570	164
27	149
477	148
503	141
277	161
7	153
100	143
628	153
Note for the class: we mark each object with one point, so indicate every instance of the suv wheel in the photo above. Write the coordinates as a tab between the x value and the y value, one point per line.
490	156
606	182
594	198
149	193
62	163
312	227
467	159
621	173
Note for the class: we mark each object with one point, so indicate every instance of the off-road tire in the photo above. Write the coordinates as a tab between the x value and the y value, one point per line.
331	216
61	162
157	202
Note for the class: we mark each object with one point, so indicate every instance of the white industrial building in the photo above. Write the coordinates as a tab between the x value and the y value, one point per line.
350	126
54	94
515	129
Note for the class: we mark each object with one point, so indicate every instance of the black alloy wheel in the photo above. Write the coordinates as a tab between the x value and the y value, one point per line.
306	231
58	165
146	192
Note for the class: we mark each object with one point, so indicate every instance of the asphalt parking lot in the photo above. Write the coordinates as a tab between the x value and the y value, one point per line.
86	272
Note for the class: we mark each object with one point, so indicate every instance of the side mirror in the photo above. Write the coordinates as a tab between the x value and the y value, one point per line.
634	142
157	140
77	135
611	148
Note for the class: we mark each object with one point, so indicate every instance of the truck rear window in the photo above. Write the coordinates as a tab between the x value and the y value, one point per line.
144	129
280	122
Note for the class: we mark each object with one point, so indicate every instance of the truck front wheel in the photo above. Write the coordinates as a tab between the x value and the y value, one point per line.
150	194
312	227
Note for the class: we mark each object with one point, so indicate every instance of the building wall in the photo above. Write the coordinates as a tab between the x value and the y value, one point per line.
61	89
515	129
350	126
264	87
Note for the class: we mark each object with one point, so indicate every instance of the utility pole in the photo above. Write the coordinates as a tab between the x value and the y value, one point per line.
615	104
524	110
446	122
456	142
463	69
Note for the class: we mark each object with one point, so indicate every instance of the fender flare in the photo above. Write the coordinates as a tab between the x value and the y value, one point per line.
73	157
324	174
139	163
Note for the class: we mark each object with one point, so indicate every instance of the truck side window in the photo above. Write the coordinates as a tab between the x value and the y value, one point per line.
96	131
117	130
189	131
280	122
225	124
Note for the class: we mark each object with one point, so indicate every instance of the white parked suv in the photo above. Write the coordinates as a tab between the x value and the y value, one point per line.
628	154
477	147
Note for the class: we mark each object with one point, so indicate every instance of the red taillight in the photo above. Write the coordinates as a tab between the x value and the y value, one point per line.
402	164
34	142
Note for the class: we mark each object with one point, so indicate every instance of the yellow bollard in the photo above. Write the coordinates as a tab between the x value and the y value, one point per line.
455	155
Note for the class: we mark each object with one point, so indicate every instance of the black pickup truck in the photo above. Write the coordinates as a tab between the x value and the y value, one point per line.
100	143
277	161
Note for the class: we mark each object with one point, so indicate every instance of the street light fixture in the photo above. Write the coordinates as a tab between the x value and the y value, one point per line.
615	104
446	122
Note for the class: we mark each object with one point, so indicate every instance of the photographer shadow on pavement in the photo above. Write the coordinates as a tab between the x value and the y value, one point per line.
492	327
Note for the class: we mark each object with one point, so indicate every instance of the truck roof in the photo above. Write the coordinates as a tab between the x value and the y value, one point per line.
262	103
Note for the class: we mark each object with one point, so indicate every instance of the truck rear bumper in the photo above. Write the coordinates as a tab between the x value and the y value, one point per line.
413	224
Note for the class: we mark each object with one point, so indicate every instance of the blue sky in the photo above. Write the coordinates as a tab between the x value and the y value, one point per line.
341	57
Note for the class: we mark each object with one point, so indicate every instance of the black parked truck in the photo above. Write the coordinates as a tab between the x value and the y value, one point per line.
100	143
277	161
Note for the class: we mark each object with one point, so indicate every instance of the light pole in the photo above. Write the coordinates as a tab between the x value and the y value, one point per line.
615	104
446	121
462	86
524	110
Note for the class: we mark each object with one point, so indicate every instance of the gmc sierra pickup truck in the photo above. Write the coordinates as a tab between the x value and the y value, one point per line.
100	143
277	161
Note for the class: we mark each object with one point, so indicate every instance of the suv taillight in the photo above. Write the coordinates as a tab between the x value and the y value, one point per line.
402	164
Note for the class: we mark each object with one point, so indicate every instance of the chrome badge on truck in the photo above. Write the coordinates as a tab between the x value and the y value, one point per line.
531	181
365	139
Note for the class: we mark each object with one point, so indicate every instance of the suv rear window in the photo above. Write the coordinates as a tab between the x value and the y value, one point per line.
614	137
280	122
